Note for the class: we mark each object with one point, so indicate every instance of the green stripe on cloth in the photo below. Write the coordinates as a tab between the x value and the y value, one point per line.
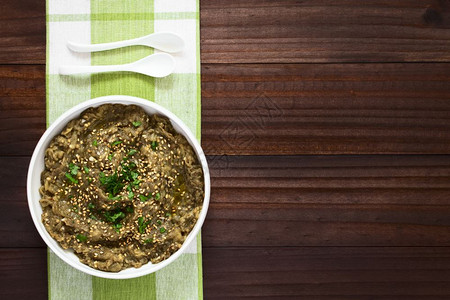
136	288
108	25
106	21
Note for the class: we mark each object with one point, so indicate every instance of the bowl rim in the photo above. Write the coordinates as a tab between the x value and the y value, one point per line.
75	112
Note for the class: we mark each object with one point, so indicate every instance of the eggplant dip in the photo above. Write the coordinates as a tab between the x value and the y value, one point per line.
121	188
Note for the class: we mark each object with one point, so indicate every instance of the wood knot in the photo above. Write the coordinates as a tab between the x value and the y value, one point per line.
432	17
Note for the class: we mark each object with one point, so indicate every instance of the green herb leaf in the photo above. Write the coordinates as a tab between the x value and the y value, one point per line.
130	195
114	216
158	222
91	206
86	169
73	180
112	183
110	156
162	230
132	152
94	143
142	224
117	227
81	238
89	179
116	143
168	215
143	198
157	196
137	124
154	145
93	217
148	241
129	209
73	169
111	197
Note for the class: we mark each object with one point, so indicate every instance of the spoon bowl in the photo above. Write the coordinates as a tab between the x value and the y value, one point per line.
156	65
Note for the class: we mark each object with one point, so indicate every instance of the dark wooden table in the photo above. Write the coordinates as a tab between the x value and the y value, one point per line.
327	128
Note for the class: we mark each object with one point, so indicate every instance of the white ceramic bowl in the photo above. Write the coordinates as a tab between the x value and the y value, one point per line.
37	166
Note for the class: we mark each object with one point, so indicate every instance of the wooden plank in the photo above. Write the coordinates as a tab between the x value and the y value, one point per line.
274	272
23	273
22	32
327	273
281	109
255	31
22	108
267	31
325	109
295	201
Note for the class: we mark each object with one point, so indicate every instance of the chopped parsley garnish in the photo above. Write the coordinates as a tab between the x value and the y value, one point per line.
154	145
111	197
168	215
114	216
86	169
73	180
130	195
81	238
94	143
116	143
148	241
162	230
110	156
137	124
158	222
143	198
117	227
132	152
89	179
73	169
113	184
129	209
91	206
116	182
142	224
157	196
93	217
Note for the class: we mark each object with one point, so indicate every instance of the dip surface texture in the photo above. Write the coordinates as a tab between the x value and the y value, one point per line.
121	188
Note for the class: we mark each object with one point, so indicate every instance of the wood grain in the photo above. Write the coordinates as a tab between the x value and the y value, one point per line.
282	31
23	273
327	273
22	32
295	201
398	273
281	109
22	108
325	109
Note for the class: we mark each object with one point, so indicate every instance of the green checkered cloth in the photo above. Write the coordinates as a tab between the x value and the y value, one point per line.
99	21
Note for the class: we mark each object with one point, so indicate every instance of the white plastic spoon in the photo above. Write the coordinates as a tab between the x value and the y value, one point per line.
155	65
164	41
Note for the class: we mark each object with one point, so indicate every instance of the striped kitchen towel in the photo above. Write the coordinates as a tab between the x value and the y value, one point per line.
98	21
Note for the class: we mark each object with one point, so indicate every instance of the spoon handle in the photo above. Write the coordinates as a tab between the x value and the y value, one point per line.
101	47
70	70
